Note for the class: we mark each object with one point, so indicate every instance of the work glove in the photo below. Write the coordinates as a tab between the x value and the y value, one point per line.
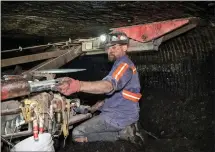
67	86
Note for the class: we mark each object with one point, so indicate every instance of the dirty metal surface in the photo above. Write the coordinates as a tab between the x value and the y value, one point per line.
148	32
14	88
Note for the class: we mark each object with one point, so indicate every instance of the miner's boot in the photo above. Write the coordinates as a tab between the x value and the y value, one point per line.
130	134
141	133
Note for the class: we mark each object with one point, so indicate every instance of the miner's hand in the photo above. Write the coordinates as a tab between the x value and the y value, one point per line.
67	86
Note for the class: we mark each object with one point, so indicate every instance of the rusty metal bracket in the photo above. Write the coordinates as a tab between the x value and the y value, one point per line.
151	31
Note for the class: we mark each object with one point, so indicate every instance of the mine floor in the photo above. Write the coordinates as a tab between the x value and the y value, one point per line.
157	114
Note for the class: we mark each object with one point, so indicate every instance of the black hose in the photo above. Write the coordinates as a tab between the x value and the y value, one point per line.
7	142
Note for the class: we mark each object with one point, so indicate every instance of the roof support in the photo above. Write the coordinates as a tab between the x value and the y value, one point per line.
31	58
151	31
58	61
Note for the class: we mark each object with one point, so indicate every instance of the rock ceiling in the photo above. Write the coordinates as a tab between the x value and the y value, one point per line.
54	19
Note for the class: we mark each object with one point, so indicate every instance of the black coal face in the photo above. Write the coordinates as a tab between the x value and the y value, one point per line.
183	74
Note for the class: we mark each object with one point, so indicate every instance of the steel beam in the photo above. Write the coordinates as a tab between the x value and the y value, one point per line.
58	61
31	58
39	46
10	111
150	31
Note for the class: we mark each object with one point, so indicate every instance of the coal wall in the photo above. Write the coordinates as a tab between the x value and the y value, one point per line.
183	65
183	73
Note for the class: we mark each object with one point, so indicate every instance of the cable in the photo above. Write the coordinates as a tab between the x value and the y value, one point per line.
12	136
7	142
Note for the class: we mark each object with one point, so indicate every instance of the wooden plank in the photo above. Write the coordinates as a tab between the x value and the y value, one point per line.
31	58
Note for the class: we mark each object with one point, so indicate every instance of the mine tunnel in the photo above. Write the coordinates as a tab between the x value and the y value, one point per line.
177	80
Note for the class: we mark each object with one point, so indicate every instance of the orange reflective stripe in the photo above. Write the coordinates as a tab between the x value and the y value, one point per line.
120	70
134	69
131	96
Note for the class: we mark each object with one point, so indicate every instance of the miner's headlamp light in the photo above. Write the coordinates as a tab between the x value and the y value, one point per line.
117	38
113	39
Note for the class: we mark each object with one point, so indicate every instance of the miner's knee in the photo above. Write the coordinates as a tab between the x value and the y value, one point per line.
78	132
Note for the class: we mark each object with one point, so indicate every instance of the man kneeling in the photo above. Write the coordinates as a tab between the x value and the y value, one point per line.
120	110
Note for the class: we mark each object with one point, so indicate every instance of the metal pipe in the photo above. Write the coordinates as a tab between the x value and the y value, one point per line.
7	142
20	134
21	87
14	88
10	112
42	85
78	118
26	48
38	46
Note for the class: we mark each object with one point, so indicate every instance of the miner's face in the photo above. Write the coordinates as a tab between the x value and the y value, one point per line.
116	51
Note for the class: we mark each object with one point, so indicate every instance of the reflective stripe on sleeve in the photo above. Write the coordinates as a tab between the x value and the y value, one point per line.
120	70
131	96
134	69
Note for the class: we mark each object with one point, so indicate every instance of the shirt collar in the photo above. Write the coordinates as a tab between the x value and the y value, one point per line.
122	57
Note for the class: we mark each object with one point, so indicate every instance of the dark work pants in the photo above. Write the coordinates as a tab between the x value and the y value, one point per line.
96	129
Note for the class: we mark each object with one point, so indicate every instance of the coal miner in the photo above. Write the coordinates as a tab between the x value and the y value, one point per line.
120	110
